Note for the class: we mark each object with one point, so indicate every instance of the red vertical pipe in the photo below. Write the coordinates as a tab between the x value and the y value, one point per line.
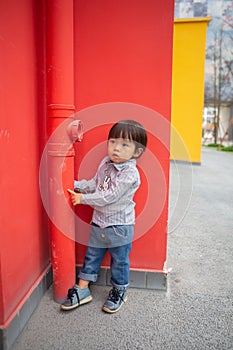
60	76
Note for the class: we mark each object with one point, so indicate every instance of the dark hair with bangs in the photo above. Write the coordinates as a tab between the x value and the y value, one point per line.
129	129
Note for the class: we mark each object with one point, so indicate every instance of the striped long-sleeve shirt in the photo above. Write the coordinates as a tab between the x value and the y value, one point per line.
111	193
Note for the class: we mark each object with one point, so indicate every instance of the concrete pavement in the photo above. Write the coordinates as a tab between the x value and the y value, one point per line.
196	312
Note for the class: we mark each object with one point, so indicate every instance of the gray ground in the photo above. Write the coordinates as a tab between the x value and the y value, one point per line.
196	312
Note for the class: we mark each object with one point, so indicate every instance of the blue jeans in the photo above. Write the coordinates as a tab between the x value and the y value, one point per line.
118	241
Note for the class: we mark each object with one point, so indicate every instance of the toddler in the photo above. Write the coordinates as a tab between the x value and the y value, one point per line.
111	194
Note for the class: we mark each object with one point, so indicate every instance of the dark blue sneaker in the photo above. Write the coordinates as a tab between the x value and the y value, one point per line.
75	297
115	300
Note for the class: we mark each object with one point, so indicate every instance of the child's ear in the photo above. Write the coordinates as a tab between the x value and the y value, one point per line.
138	152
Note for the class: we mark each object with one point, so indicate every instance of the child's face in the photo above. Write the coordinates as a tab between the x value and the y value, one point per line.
120	150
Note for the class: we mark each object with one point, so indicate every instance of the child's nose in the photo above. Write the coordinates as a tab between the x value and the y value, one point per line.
117	146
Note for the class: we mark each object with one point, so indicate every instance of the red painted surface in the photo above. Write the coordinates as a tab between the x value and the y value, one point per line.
60	76
123	53
24	239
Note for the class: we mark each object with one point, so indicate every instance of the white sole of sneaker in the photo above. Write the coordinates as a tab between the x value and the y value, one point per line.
84	301
105	309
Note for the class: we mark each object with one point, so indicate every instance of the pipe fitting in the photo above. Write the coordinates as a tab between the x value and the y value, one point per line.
75	130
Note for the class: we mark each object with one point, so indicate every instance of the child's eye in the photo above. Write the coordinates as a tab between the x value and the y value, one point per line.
112	141
125	145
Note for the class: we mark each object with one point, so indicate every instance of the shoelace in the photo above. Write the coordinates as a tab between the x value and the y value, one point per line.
71	293
114	295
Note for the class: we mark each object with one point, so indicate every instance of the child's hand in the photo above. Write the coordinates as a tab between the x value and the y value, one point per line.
75	197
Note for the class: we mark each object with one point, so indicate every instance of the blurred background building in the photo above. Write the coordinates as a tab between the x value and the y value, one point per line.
218	108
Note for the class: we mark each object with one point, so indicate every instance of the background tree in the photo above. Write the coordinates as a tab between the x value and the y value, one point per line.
221	54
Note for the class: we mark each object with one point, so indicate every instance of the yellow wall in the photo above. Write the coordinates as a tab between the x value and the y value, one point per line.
188	88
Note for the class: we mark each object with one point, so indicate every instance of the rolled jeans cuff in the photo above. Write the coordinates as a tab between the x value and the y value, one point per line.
88	277
122	287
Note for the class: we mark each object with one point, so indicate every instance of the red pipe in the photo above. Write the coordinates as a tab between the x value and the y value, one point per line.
60	82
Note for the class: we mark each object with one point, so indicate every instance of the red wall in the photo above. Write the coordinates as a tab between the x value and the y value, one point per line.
123	53
24	242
